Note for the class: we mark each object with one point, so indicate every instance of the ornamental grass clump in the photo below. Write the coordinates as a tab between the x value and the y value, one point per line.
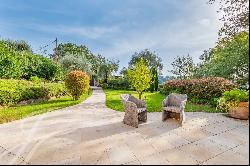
77	83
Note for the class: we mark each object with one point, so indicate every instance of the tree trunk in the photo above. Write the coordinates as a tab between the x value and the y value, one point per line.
140	94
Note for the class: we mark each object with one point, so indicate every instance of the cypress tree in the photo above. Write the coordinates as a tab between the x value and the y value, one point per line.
156	82
152	85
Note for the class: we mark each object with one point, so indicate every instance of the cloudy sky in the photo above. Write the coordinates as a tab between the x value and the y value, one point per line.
115	28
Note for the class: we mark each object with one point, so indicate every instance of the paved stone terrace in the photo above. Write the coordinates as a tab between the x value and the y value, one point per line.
90	133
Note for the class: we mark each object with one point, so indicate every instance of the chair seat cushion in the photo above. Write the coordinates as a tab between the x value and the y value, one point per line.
172	109
139	110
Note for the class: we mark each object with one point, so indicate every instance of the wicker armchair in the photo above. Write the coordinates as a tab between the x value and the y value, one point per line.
135	110
173	107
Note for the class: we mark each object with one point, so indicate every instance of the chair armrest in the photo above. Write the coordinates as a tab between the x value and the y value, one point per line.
128	105
165	102
143	103
183	104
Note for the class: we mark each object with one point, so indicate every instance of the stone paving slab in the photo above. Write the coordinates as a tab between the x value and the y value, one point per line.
91	133
178	157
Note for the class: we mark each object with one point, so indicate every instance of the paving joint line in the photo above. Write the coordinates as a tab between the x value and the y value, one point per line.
18	156
218	154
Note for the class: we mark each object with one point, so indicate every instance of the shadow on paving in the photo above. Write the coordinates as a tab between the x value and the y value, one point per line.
149	130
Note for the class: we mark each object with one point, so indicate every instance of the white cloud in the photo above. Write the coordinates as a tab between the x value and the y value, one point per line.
192	34
204	22
120	33
89	32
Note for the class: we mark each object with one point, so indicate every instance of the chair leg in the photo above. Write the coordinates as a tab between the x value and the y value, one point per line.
177	116
182	118
143	116
165	115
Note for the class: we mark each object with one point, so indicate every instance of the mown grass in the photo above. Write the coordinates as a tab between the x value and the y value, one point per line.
153	101
18	112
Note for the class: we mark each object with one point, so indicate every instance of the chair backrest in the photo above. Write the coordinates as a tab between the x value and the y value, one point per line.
129	98
125	97
175	99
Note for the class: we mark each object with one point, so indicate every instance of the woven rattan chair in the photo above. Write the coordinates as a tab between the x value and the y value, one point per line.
173	107
135	110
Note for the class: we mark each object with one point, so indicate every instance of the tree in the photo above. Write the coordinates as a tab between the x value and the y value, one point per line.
140	76
235	17
124	72
70	48
201	70
107	68
229	59
18	45
163	79
47	69
70	63
151	59
19	64
154	84
80	51
183	67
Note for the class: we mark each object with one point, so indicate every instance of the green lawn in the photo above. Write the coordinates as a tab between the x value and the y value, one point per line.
153	100
18	112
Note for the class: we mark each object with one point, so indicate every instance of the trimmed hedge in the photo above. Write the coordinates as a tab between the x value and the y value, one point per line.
77	83
117	83
13	91
201	91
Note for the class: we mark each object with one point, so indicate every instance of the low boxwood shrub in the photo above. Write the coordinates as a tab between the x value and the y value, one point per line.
35	92
13	91
201	91
35	79
56	89
232	98
77	83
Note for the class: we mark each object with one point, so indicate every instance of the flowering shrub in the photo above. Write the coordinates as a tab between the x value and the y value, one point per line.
203	90
77	83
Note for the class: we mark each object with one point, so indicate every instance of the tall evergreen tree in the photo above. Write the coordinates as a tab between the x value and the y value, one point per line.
156	81
152	85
